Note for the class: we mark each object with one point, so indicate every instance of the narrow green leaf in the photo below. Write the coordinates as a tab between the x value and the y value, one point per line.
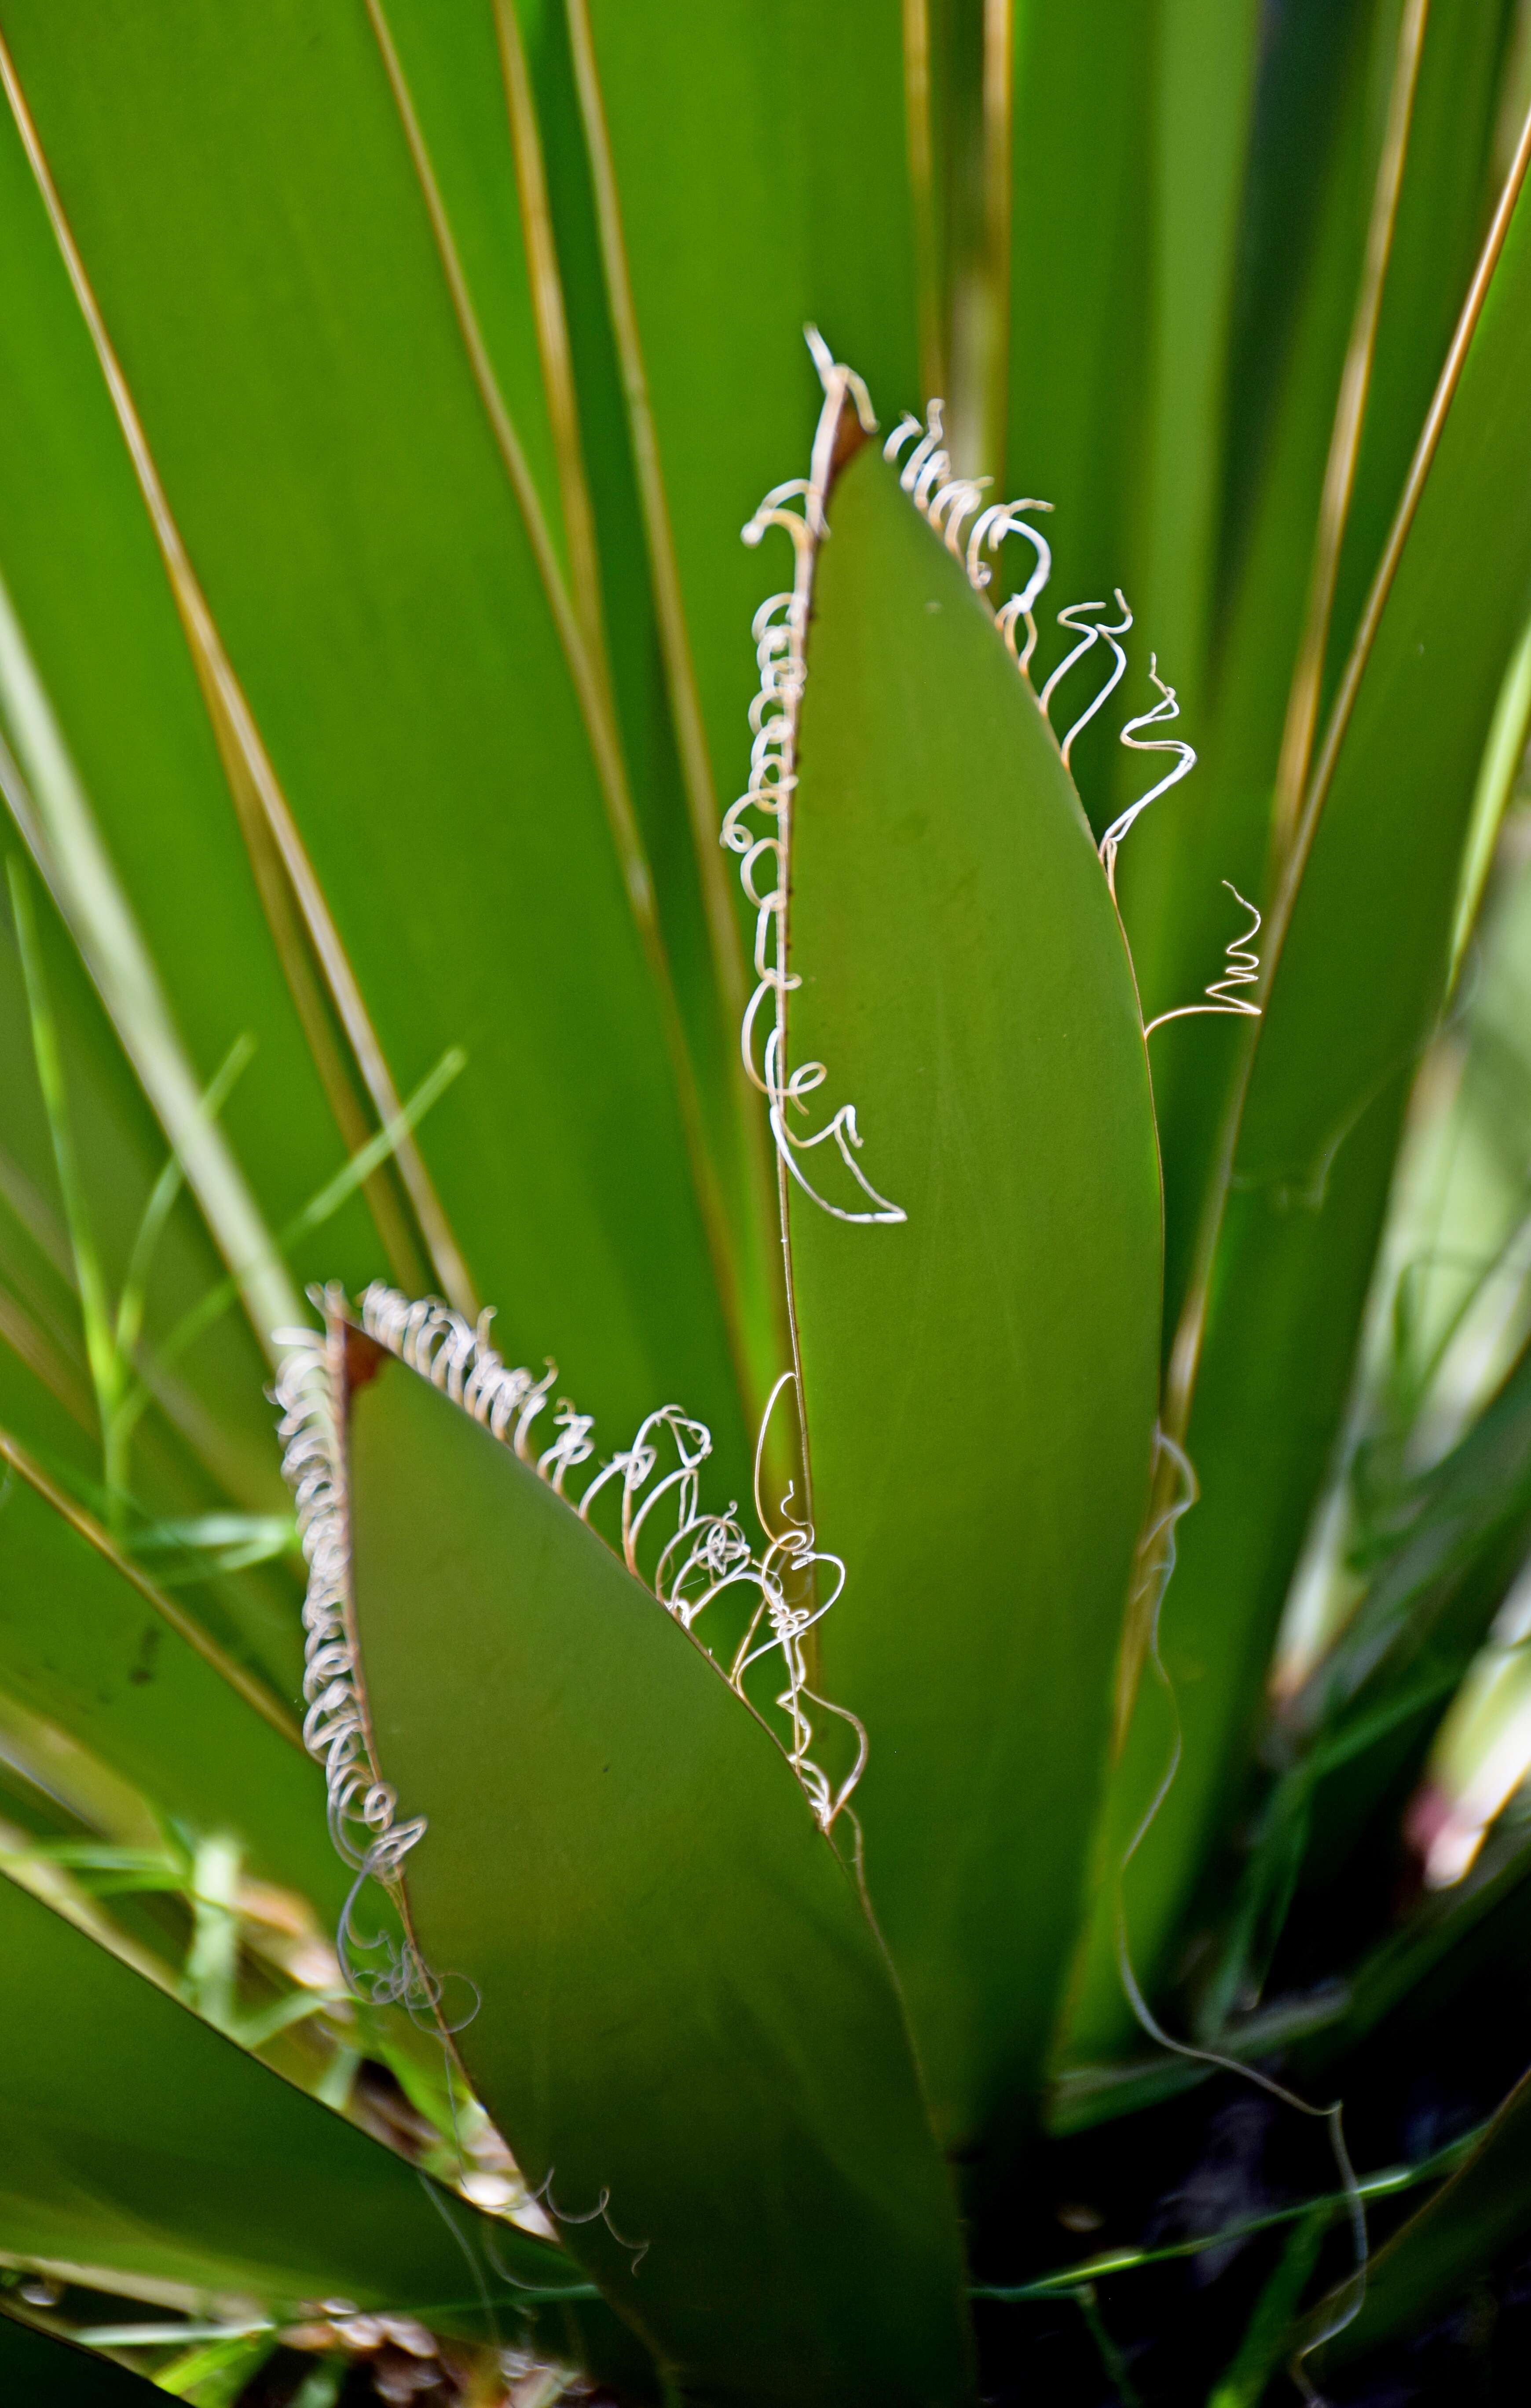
978	1365
79	561
1473	2222
818	227
51	2373
1443	207
1208	53
667	1991
1363	947
139	2139
1080	294
448	60
1266	2336
1419	1626
216	1426
91	1644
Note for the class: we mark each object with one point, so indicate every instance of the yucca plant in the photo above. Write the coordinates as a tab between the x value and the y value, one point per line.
888	1779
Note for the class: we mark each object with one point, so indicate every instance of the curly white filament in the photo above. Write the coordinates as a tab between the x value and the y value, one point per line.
947	502
686	1556
1223	998
780	629
1166	707
1090	631
362	1807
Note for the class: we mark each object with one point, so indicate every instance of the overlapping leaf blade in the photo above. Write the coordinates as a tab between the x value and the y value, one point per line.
979	1380
1359	979
306	391
139	2140
684	2022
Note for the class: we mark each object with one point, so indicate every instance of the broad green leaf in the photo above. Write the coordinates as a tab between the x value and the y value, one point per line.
979	1375
1475	2220
89	1642
1364	944
47	2373
139	2139
306	396
680	2015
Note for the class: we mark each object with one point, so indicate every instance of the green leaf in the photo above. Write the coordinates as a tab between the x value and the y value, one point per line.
1244	2380
1208	53
1430	1609
1442	206
1080	294
1474	2221
51	2373
979	1376
421	690
214	1408
140	2141
679	2016
89	1642
818	227
85	581
1297	307
1358	947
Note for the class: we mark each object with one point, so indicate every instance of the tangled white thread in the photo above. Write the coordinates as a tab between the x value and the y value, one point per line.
1223	998
686	1556
780	628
